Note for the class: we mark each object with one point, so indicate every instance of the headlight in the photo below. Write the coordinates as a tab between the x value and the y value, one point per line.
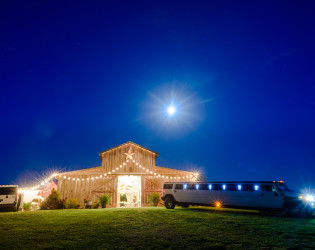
309	198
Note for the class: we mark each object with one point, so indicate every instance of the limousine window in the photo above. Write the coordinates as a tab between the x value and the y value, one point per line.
231	187
267	188
216	187
8	191
188	186
203	187
179	186
248	187
282	187
168	186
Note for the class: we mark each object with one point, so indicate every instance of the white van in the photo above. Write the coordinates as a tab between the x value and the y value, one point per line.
262	195
9	197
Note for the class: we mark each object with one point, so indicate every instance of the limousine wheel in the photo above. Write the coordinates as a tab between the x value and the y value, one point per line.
169	203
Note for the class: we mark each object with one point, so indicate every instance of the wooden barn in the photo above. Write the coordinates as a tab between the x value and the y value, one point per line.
128	175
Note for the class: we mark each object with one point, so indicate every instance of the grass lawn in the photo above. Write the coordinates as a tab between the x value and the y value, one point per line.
154	228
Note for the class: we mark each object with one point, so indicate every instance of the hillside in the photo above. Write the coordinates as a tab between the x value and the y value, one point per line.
154	228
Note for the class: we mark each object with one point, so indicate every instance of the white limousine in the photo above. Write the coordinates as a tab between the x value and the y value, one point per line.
261	195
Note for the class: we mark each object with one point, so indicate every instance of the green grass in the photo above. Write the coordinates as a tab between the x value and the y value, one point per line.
153	228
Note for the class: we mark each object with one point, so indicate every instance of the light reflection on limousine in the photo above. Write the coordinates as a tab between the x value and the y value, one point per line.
262	195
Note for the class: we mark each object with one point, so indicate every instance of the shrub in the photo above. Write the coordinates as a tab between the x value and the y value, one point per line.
87	204
95	205
104	200
71	203
123	197
27	206
154	198
53	201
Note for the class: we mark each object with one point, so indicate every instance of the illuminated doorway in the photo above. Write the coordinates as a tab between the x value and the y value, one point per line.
129	191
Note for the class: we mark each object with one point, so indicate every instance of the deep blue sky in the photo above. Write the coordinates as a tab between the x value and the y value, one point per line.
80	77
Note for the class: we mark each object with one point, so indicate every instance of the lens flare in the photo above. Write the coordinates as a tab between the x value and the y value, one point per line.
171	110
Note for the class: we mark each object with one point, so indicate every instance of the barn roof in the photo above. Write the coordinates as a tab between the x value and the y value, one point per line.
94	170
171	171
99	170
130	143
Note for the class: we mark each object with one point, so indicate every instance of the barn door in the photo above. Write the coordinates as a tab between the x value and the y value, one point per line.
108	186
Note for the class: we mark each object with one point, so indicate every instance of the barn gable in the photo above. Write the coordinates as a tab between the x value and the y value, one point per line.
128	158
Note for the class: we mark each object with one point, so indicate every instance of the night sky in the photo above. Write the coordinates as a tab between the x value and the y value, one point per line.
77	78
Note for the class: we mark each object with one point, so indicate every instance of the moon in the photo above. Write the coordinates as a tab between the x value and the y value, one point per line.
171	110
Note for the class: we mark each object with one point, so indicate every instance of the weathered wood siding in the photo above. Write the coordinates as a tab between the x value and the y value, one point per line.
149	185
111	160
90	189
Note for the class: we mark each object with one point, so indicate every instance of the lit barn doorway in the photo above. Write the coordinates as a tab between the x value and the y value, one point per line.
129	191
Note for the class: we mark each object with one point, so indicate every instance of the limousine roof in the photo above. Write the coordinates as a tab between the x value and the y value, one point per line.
224	182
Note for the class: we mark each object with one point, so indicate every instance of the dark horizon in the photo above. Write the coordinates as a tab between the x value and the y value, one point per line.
77	78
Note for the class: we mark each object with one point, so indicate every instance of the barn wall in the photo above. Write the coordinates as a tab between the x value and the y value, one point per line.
114	158
149	185
90	189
